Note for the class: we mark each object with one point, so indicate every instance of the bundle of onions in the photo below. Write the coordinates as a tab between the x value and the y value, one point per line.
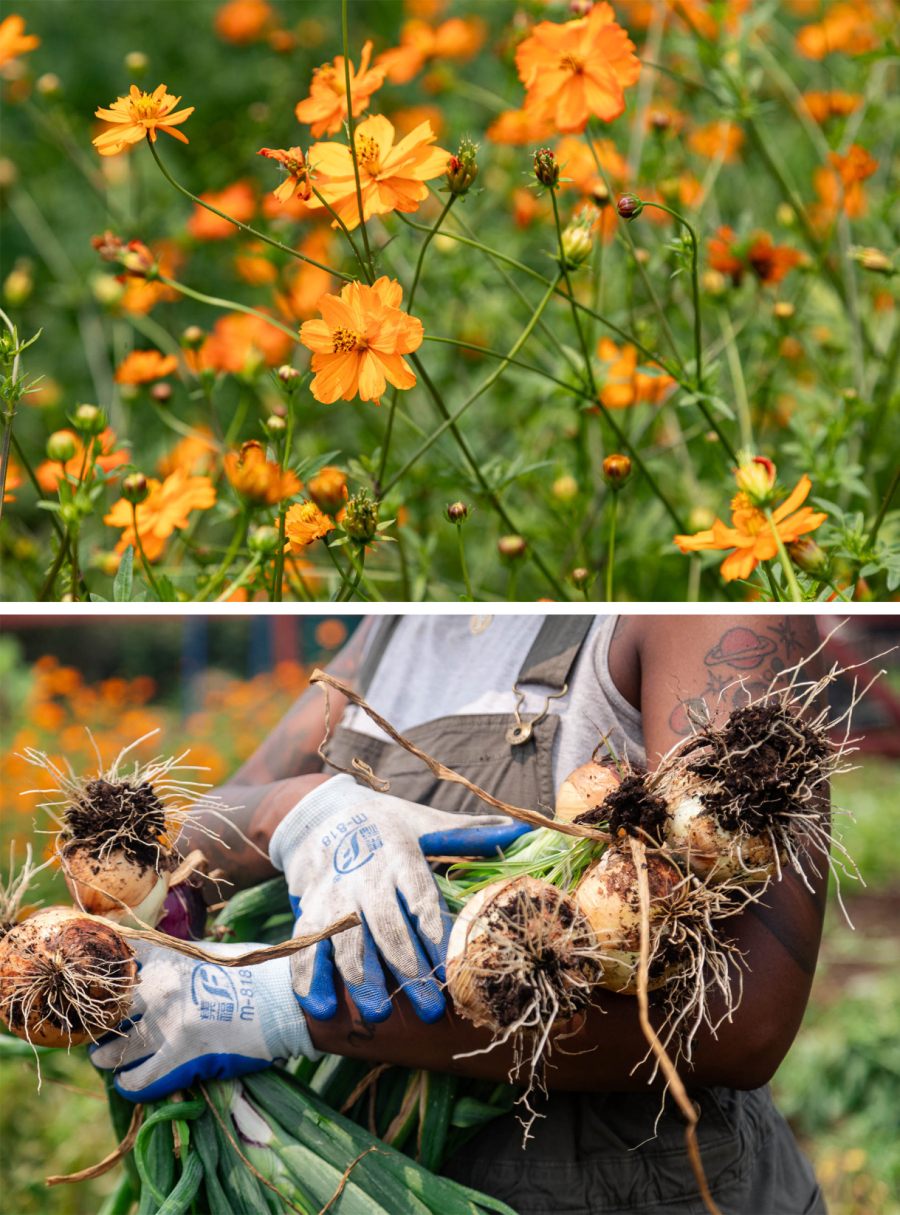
65	978
117	844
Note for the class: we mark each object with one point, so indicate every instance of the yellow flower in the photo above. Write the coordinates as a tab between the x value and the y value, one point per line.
137	115
305	523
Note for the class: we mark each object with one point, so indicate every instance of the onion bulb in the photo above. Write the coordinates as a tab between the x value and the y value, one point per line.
116	885
711	852
585	790
520	956
608	897
65	978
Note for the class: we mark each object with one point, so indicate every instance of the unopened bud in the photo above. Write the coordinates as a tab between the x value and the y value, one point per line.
616	471
135	488
670	188
512	548
107	290
660	120
700	519
264	540
19	283
457	513
89	419
546	168
581	578
872	259
61	446
136	64
49	85
462	169
289	376
714	282
809	557
580	8
565	488
161	392
276	426
783	310
577	243
9	173
361	517
785	215
599	192
755	476
629	206
193	337
849	394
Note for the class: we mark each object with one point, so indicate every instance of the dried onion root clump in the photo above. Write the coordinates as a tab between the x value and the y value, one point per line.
118	832
65	978
522	959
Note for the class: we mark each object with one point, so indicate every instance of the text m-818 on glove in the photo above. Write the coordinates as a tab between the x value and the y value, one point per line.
346	849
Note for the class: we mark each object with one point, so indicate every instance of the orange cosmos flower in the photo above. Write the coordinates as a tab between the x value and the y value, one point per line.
719	138
768	261
166	507
839	186
143	294
325	109
252	264
391	178
752	537
303	524
13	39
307	284
255	477
243	21
625	385
328	489
237	200
577	69
358	343
527	207
137	115
458	38
297	180
13	478
50	472
845	27
240	342
520	127
833	104
406	120
194	453
144	366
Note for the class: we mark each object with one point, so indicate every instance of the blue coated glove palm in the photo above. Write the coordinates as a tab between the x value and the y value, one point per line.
346	849
193	1021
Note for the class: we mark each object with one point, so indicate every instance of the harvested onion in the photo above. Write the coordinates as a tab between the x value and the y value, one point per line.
585	790
116	885
65	978
714	854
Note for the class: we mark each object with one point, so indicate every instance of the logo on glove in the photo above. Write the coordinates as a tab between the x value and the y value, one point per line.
357	849
213	992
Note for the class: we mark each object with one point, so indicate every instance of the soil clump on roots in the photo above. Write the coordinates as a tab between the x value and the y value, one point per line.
118	815
630	809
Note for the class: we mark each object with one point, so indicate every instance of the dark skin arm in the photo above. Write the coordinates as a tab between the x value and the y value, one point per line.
664	666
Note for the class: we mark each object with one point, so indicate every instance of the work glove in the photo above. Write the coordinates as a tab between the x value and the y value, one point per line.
193	1021
346	849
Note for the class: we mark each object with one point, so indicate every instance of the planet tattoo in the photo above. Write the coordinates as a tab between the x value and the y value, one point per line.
742	649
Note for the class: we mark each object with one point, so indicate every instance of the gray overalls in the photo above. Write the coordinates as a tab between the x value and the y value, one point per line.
592	1153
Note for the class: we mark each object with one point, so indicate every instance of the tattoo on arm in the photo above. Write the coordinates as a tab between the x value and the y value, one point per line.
740	667
365	1032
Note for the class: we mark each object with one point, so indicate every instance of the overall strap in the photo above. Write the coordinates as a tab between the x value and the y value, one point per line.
385	630
554	650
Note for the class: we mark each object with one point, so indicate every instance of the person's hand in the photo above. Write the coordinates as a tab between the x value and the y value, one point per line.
346	849
193	1021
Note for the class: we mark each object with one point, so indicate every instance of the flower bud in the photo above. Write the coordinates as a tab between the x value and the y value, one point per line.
458	512
576	240
9	173
783	310
565	488
809	557
546	168
90	419
276	426
161	392
755	476
660	120
61	446
581	578
361	517
462	169
289	376
872	259
19	282
701	519
629	206
670	189
328	489
580	8
107	290
512	548
49	85
135	488
616	471
599	192
136	64
264	540
193	337
714	282
785	215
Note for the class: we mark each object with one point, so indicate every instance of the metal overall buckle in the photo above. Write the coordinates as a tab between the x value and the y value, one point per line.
522	731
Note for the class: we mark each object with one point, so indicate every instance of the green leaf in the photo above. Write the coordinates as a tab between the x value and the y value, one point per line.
124	577
97	598
166	587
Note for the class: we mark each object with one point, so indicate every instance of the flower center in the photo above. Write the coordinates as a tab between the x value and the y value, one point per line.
343	339
144	107
328	76
571	63
367	152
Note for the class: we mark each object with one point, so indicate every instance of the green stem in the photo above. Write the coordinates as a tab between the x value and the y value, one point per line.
498	354
26	464
245	575
47	588
230	305
221	573
879	518
367	275
614	510
511	584
638	459
73	555
244	227
786	564
773	585
351	124
359	567
345	582
462	561
564	263
137	539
